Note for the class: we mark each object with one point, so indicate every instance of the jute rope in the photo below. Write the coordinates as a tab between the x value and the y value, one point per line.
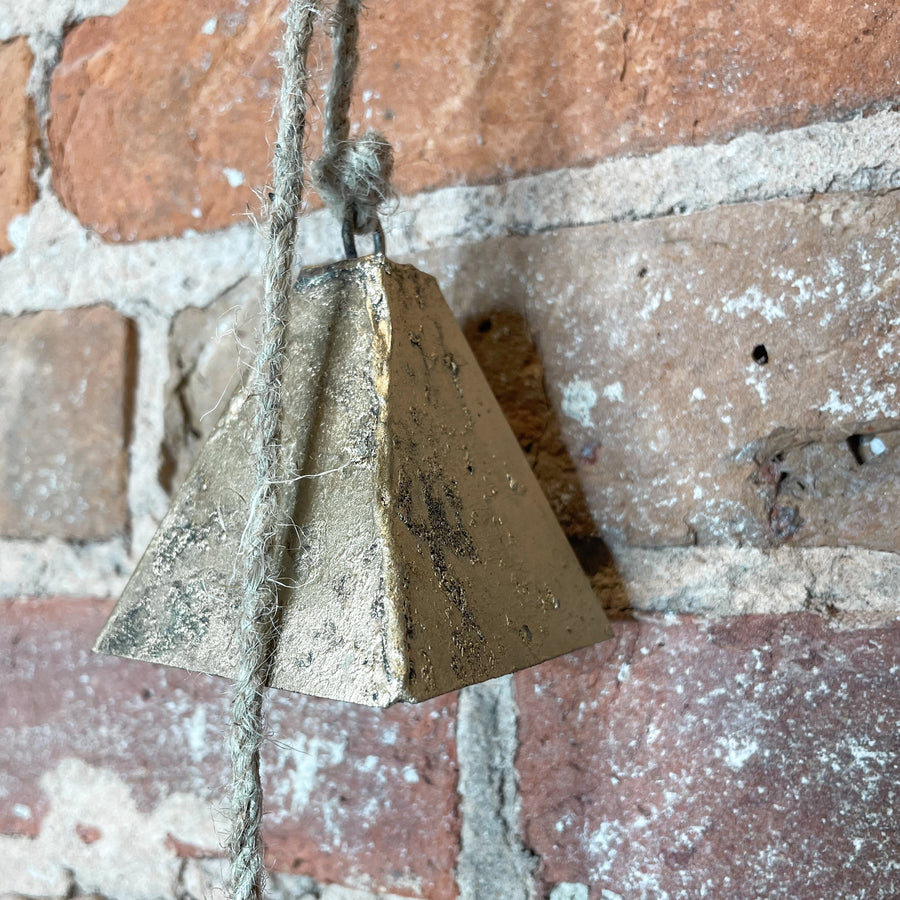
259	577
354	179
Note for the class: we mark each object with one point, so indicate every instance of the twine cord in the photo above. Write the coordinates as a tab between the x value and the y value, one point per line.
353	175
259	576
354	179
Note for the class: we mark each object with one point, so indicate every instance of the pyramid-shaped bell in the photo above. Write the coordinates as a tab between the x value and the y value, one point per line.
418	552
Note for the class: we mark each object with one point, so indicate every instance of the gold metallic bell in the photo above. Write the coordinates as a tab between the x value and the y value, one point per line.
418	552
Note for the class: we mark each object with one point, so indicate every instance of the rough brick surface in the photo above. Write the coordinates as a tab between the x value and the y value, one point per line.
160	115
742	758
542	85
65	420
19	135
116	771
507	89
706	398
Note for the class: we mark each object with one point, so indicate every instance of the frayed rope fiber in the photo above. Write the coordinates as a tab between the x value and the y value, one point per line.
358	174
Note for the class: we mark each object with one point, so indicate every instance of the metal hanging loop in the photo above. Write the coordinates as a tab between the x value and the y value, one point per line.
349	238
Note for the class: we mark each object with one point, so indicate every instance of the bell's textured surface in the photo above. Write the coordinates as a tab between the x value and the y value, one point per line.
419	553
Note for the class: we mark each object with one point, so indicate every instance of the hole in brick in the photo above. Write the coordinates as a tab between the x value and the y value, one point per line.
865	447
837	490
642	272
792	487
760	354
485	325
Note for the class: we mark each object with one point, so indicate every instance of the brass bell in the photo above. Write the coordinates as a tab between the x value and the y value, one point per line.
418	553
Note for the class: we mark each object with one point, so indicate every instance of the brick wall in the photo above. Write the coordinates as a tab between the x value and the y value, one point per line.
668	230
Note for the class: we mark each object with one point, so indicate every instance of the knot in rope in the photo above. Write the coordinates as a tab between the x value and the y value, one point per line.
353	177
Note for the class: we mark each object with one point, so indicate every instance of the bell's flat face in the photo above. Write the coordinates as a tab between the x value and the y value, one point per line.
418	553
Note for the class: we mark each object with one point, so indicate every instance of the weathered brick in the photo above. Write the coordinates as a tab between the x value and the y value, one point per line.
746	757
160	115
159	109
651	336
115	770
65	415
19	136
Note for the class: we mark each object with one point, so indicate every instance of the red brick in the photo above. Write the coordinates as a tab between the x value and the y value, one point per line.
377	809
147	110
65	408
646	332
742	758
536	85
19	136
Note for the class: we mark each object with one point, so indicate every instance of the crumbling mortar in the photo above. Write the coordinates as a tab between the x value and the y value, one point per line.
53	17
792	163
46	49
513	809
493	860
